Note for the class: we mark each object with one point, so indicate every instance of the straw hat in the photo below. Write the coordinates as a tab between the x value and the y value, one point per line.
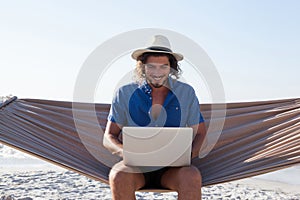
157	44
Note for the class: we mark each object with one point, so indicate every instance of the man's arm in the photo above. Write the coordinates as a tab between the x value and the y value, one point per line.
200	133
111	138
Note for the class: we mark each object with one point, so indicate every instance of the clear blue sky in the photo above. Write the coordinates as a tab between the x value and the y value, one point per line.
254	44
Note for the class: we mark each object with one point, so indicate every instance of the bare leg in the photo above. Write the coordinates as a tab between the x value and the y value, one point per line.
124	181
186	181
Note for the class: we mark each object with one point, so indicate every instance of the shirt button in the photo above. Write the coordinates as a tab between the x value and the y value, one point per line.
150	97
176	108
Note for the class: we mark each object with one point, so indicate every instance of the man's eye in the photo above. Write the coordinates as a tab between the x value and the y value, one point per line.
152	66
149	66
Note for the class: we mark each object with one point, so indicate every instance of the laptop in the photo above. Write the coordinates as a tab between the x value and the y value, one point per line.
157	146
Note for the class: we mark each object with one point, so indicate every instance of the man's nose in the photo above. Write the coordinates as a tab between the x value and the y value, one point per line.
157	69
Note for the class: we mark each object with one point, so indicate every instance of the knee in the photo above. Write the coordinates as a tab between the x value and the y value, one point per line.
121	179
118	177
190	175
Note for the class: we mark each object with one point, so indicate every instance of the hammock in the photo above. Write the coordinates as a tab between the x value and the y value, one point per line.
257	137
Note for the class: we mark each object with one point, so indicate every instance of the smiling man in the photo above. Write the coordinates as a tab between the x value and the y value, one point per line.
157	98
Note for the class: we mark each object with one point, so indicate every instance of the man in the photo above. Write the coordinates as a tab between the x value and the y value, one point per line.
156	99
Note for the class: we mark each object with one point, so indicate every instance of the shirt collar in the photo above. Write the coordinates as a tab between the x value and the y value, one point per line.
146	87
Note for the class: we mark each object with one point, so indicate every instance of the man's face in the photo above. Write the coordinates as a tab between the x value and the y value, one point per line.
157	70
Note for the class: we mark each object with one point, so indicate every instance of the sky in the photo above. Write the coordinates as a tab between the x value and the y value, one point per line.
253	44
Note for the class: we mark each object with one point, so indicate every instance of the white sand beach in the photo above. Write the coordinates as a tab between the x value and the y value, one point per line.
24	177
63	184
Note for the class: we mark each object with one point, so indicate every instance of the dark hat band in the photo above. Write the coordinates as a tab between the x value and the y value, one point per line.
157	48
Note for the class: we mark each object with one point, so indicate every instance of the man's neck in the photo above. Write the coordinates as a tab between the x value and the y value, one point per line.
158	98
162	89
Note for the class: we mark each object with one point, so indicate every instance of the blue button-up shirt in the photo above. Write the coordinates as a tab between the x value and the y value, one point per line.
132	105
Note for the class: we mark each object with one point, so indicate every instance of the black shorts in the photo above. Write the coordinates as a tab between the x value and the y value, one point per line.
153	178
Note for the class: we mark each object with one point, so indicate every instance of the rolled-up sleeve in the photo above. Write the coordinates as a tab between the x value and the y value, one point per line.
117	111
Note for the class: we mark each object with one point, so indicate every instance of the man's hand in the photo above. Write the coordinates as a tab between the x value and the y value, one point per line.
118	153
111	139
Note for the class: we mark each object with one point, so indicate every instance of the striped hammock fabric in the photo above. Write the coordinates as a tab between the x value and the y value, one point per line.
243	139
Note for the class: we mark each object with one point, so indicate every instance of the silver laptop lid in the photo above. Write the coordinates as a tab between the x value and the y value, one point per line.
157	146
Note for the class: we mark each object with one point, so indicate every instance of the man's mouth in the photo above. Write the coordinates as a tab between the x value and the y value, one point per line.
158	78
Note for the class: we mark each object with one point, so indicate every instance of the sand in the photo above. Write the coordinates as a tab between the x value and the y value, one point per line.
29	184
24	177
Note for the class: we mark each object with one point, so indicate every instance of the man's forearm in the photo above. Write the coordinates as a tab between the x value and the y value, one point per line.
200	135
113	144
196	146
